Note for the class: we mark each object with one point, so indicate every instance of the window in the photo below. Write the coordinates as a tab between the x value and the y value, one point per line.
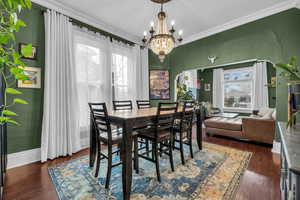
120	76
238	89
92	75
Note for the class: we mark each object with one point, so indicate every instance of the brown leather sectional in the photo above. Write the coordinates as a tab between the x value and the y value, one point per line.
254	129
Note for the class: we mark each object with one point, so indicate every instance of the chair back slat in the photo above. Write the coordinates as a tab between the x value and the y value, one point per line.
142	104
100	119
165	121
187	115
122	105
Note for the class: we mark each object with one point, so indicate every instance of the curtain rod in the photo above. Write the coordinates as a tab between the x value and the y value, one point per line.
102	32
232	63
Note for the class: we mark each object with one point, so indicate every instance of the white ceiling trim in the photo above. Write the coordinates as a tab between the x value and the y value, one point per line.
92	21
244	20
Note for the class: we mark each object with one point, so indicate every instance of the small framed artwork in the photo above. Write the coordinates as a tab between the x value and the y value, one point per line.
33	78
159	84
33	55
207	87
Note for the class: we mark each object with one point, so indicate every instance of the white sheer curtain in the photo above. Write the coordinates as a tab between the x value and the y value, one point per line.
218	92
93	72
60	128
261	98
142	81
130	72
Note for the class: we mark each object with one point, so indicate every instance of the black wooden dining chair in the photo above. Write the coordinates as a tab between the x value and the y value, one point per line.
159	133
183	129
142	104
106	136
122	105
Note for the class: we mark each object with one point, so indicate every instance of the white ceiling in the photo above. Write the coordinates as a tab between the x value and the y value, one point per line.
197	18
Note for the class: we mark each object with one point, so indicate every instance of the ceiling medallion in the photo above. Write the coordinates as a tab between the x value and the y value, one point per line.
162	40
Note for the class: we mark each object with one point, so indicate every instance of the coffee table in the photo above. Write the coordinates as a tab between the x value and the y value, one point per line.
225	115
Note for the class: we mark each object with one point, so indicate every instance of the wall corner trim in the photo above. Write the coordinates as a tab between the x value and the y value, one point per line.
86	18
277	8
276	147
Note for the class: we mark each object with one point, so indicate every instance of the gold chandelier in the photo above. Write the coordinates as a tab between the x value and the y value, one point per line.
162	40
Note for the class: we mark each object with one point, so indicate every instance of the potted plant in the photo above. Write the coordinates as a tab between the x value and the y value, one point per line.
11	69
183	93
291	72
11	66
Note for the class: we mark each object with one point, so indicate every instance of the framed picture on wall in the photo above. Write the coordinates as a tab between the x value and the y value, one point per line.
33	55
207	87
33	79
159	84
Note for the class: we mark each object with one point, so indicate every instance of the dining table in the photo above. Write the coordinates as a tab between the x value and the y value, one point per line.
128	120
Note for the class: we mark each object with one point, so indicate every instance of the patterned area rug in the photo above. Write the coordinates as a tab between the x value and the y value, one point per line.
213	174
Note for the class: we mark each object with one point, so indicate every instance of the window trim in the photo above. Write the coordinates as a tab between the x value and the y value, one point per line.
252	80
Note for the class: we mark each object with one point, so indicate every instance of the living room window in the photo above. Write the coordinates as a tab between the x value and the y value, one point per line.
238	87
120	76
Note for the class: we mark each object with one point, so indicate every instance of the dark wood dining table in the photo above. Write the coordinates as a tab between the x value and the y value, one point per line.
128	120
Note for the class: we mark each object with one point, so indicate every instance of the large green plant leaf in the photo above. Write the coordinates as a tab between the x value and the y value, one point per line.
26	50
9	112
20	101
12	91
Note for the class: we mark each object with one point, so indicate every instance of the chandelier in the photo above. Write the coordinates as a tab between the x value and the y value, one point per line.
162	40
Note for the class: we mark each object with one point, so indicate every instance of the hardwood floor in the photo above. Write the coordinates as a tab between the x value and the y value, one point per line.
260	181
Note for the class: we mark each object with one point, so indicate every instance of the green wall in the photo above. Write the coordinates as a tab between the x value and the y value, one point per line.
28	134
274	38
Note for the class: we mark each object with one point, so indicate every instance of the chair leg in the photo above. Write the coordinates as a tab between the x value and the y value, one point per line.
109	166
98	158
160	149
147	147
191	144
181	150
136	156
174	138
157	161
153	153
171	153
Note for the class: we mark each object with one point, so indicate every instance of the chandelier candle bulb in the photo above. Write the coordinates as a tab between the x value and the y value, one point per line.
151	24
172	23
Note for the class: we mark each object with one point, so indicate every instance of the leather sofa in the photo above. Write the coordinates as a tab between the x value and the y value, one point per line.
255	128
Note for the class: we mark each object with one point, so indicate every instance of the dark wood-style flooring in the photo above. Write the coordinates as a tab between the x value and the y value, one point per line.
260	181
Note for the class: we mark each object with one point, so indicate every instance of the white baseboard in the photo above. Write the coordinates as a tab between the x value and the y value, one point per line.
85	142
276	147
23	158
33	155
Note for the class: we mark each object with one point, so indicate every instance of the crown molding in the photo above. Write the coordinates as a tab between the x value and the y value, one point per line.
244	20
88	19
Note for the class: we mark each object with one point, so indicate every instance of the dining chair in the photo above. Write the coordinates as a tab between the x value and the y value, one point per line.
122	105
159	133
183	129
108	137
142	104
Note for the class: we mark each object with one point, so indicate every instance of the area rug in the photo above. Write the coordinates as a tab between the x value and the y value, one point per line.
213	174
